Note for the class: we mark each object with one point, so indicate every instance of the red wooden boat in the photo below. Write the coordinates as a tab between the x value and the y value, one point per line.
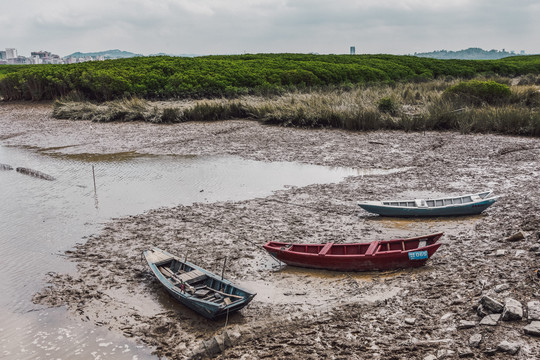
376	255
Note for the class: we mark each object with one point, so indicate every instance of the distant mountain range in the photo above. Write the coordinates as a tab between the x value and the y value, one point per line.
108	54
469	54
119	54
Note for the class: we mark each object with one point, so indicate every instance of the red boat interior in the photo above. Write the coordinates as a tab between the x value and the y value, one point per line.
357	249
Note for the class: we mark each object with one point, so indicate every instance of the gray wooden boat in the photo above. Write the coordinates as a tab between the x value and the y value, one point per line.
469	204
202	291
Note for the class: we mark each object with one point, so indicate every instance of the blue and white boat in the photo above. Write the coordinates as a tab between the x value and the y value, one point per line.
469	204
200	290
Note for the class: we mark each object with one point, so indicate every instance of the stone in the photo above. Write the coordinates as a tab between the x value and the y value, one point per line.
444	353
516	237
490	351
534	247
465	324
447	316
490	320
533	328
508	347
480	311
520	253
465	353
475	340
501	288
491	305
410	321
512	310
500	253
533	310
430	357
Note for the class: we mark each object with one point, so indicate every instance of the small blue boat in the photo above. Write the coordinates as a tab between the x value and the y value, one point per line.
200	290
449	206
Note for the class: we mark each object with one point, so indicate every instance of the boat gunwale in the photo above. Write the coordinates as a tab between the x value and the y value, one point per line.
435	236
380	203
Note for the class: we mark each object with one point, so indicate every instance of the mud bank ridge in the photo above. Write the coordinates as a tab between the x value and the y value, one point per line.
427	313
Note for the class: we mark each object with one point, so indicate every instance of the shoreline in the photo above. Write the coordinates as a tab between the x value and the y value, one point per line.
413	313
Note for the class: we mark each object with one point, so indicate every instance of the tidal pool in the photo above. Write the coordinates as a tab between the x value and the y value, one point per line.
42	219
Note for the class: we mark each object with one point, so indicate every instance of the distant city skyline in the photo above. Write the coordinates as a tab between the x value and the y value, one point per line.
208	27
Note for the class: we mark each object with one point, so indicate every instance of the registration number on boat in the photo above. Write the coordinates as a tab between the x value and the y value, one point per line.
418	255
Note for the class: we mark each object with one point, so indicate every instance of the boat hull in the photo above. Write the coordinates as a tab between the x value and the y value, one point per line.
208	309
455	210
377	261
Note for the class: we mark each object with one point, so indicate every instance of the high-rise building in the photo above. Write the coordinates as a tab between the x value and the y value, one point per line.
41	54
11	53
353	50
2	55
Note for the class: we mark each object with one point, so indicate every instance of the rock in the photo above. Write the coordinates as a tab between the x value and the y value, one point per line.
533	328
475	340
533	310
490	352
447	316
410	321
520	253
534	247
491	305
444	353
430	357
508	347
490	320
512	310
500	253
516	237
465	353
465	324
480	311
501	288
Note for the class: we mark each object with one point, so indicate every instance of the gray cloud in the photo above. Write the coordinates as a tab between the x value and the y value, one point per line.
236	26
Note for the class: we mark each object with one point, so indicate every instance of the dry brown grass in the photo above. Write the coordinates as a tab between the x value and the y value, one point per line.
415	106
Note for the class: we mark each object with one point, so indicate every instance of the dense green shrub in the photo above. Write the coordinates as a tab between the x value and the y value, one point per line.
166	77
476	92
388	105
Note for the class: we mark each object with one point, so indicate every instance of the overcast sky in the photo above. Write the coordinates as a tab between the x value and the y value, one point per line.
261	26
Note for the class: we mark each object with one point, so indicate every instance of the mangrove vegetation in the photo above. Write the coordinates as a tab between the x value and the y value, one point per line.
235	75
364	92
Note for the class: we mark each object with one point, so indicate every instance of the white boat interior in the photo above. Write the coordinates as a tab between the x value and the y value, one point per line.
428	203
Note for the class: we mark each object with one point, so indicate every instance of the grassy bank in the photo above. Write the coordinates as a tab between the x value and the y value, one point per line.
481	106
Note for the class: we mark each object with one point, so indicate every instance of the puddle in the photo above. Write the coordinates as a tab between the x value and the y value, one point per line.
42	219
428	223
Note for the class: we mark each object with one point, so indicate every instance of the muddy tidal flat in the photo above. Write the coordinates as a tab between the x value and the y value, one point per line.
451	308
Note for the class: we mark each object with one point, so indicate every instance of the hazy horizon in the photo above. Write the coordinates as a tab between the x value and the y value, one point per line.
262	26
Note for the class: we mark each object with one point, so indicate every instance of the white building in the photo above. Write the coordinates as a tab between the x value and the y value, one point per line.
37	60
11	53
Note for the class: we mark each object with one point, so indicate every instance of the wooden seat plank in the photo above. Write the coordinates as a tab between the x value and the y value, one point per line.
325	249
372	248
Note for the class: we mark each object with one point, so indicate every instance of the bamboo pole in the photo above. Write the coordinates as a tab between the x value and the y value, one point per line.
223	271
94	176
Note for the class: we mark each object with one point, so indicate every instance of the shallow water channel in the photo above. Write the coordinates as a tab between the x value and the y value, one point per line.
41	219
